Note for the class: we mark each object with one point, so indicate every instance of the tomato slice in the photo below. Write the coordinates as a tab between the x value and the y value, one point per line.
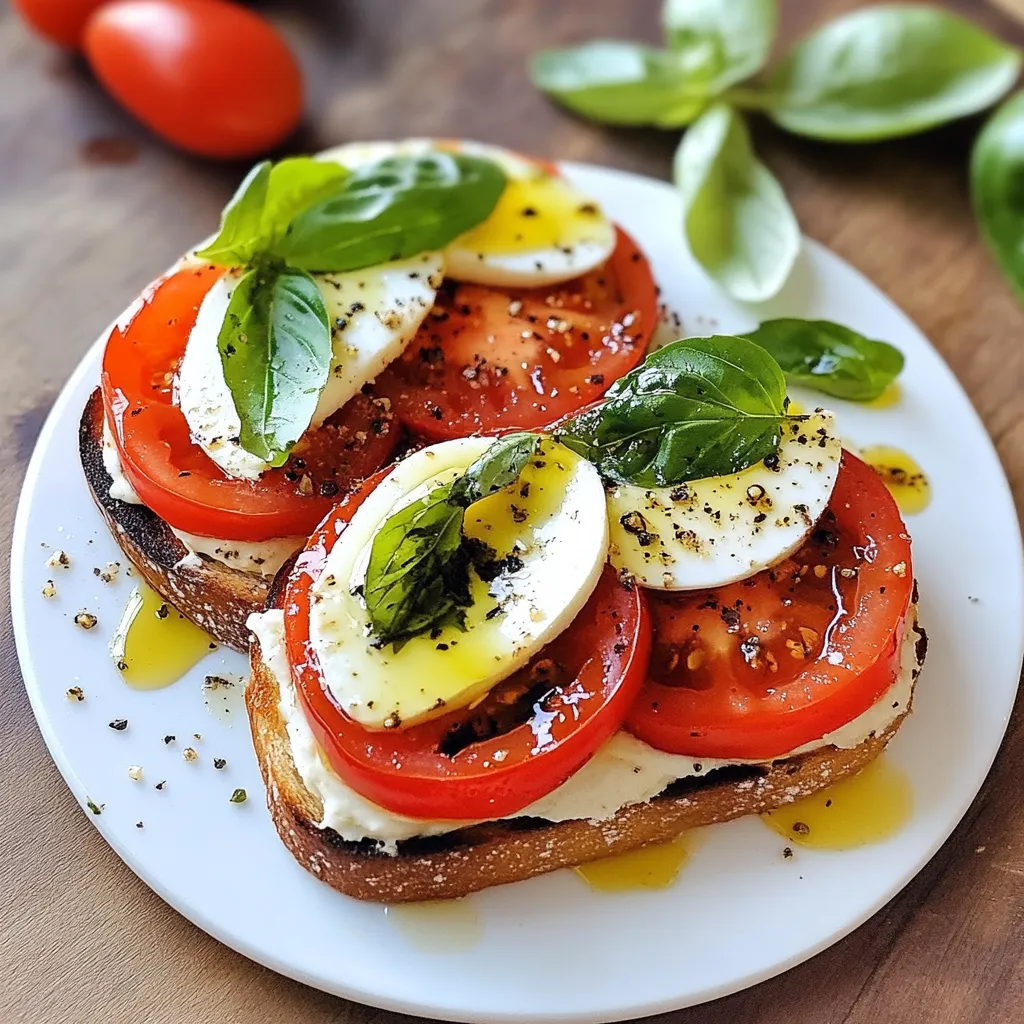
488	360
176	479
532	732
758	668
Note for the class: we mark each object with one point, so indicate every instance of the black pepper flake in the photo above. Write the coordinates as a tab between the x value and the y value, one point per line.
800	828
161	785
787	852
119	724
529	212
442	647
168	739
162	612
219	762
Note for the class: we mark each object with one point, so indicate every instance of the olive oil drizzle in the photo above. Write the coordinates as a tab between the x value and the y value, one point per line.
650	867
902	476
869	807
154	644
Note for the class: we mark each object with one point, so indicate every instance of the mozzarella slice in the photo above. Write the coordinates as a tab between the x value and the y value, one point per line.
710	532
374	313
551	520
542	231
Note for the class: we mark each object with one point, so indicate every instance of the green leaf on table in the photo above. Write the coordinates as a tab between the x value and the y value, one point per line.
889	70
696	408
829	357
391	209
265	203
275	347
739	34
738	224
628	83
997	188
417	577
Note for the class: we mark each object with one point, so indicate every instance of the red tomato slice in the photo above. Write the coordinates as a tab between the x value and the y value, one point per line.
532	732
487	360
758	668
176	479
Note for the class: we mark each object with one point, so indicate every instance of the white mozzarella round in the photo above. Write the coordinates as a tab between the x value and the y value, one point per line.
374	313
543	230
710	532
552	519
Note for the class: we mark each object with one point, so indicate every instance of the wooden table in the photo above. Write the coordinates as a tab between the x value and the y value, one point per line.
91	208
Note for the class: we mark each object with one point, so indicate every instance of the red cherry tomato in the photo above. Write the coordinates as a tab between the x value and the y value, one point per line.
209	76
758	668
487	360
60	21
527	737
176	479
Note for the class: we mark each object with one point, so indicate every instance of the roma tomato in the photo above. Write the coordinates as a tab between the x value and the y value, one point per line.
487	360
529	734
209	76
758	668
60	21
176	479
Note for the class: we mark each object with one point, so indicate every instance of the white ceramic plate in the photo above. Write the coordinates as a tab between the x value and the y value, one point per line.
549	949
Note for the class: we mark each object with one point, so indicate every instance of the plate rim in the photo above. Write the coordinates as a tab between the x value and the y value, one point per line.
196	914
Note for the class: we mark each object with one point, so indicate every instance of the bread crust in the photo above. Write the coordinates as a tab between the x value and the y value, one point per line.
495	853
215	596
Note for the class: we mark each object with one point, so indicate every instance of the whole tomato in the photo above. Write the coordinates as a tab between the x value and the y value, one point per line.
60	21
209	76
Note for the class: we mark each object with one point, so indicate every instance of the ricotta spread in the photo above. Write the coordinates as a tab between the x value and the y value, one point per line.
624	771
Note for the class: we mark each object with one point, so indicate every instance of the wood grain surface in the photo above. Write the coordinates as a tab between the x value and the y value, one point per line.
91	208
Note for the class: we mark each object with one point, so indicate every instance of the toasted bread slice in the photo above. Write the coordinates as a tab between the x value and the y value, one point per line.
493	853
215	596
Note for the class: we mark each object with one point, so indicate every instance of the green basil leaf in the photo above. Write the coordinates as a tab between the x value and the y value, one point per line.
417	577
239	234
829	357
627	83
693	409
418	573
275	346
738	224
396	207
498	467
997	188
890	70
739	32
261	210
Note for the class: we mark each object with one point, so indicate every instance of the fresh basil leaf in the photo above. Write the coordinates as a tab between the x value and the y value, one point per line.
887	71
829	357
498	467
738	224
418	573
739	33
997	188
275	347
696	408
239	234
261	210
628	83
393	208
417	577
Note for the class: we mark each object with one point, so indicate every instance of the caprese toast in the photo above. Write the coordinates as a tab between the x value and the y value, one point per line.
352	306
503	656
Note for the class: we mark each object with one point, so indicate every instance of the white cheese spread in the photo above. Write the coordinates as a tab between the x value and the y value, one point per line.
624	771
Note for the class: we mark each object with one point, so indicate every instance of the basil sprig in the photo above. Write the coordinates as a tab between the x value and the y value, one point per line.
275	347
997	188
876	73
829	357
263	207
418	575
890	70
696	408
303	215
737	221
394	208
